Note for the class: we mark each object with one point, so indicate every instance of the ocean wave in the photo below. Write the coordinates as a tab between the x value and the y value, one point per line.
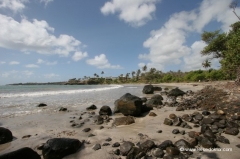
44	93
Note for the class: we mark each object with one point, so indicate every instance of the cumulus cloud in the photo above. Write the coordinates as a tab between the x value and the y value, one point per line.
16	35
101	62
167	45
14	63
14	5
51	75
32	66
134	12
79	55
40	61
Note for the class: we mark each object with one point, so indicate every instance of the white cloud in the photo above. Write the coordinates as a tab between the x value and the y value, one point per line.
46	1
14	5
40	61
79	55
51	75
167	45
27	73
16	35
14	63
134	12
32	66
51	63
7	74
2	62
101	62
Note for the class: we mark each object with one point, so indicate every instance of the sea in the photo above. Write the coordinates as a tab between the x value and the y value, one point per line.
18	100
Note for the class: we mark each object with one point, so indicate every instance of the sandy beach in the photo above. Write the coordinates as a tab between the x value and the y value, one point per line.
58	124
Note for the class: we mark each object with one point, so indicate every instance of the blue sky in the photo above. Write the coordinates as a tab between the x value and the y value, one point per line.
55	40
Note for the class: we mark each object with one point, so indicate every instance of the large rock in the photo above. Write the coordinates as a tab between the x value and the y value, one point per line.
57	148
126	147
23	153
128	105
41	105
105	110
176	92
147	145
124	121
157	88
155	101
5	135
148	89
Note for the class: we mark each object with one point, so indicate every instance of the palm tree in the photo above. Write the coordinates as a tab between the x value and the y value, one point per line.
206	64
144	68
127	75
138	73
133	73
102	72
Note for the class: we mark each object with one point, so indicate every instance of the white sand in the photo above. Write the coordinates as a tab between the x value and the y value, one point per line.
46	125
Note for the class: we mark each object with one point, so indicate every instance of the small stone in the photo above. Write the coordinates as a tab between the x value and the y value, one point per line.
182	132
238	145
207	121
179	108
42	105
97	147
198	117
108	139
175	131
152	114
91	135
26	136
159	131
105	144
63	109
167	121
220	112
101	127
116	152
177	121
92	107
165	144
223	139
157	152
86	129
172	151
205	113
116	144
232	131
172	116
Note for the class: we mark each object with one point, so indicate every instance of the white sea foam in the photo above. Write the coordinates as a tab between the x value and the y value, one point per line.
44	93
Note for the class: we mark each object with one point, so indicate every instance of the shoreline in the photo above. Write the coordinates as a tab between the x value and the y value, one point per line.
43	126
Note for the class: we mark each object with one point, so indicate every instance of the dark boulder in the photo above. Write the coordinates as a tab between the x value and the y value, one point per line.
155	101
105	110
99	120
147	145
42	105
223	139
5	135
165	144
176	92
133	153
182	144
92	107
23	153
146	108
167	121
126	147
63	109
172	151
157	152
148	89
206	142
57	148
128	105
232	131
144	99
124	121
157	88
